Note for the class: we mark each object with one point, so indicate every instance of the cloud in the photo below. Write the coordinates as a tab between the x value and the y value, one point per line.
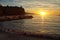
33	3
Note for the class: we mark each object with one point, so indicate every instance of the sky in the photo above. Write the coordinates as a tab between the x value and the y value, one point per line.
33	4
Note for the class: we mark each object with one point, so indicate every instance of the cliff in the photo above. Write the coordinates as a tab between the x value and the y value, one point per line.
12	13
11	10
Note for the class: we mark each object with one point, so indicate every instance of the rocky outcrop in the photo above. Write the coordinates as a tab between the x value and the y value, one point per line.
12	13
11	10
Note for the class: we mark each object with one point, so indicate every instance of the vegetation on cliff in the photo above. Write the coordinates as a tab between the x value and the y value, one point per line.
11	10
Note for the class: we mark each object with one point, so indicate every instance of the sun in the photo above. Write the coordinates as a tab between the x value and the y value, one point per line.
42	13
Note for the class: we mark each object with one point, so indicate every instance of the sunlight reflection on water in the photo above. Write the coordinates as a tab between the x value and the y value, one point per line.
50	24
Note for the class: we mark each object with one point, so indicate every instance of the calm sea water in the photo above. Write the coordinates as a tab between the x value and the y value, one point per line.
48	24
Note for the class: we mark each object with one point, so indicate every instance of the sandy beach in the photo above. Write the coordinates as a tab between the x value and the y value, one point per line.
9	36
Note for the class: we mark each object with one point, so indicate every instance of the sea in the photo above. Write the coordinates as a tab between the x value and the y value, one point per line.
39	24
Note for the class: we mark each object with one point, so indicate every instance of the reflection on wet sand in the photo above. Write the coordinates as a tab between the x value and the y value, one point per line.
9	36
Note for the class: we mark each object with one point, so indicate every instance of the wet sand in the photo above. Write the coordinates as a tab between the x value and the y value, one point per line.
9	36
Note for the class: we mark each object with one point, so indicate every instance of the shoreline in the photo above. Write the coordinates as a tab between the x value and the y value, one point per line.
14	17
30	34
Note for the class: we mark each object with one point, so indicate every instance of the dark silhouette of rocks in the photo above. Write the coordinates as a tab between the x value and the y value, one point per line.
11	10
12	13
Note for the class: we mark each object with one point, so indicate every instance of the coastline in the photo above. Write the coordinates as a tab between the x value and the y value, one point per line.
14	17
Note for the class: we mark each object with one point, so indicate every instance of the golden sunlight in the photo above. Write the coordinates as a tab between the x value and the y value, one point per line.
42	13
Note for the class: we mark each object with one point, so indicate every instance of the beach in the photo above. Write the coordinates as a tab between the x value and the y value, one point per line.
9	36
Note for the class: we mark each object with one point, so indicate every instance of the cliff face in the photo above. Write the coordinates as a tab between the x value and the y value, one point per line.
1	12
11	10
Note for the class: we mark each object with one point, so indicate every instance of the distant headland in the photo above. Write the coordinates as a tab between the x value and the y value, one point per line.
12	13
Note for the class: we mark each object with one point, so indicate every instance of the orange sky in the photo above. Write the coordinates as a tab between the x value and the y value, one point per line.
49	11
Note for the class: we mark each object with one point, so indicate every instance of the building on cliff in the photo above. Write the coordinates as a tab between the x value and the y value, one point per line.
11	10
